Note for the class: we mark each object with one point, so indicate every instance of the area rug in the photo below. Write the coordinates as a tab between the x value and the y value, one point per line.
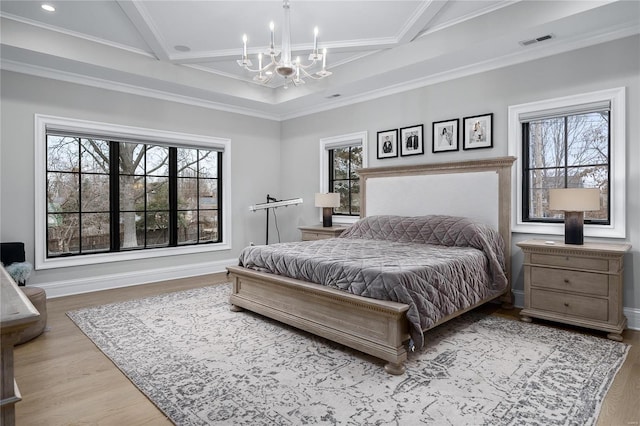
202	364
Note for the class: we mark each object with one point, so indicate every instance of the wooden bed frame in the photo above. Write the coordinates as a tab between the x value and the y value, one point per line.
375	327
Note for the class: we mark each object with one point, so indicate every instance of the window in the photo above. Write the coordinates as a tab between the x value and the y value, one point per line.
573	142
343	178
116	193
78	181
567	151
340	158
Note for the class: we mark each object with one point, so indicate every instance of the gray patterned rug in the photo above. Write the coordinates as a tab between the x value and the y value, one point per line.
202	365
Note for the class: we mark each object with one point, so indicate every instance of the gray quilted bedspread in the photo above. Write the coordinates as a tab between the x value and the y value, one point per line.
435	264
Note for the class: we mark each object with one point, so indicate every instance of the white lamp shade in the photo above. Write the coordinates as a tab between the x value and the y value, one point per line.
332	199
574	199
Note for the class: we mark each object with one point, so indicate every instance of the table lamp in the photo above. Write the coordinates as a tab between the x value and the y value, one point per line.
327	202
574	202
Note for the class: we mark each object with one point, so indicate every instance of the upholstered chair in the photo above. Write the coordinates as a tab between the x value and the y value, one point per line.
13	259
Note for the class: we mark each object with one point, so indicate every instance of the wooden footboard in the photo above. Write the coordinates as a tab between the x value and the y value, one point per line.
375	327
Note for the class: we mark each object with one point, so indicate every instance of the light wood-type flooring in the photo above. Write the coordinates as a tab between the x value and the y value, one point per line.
65	380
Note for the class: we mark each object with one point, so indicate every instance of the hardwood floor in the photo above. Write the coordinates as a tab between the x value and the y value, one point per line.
65	380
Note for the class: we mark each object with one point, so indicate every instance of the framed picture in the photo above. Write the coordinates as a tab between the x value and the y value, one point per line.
445	136
478	131
388	143
411	140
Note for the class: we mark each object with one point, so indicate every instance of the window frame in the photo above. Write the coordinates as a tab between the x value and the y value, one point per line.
121	133
617	163
340	141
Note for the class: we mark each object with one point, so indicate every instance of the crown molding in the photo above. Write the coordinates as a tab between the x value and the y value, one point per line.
75	34
68	77
530	54
524	55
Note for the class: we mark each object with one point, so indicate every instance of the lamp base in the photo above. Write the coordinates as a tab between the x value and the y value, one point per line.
327	215
574	228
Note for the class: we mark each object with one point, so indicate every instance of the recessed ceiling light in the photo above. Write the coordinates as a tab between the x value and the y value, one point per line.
48	7
182	48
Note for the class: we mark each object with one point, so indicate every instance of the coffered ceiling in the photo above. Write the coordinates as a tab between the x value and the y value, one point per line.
187	51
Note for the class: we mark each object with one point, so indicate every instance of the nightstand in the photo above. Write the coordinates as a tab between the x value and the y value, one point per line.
575	284
318	232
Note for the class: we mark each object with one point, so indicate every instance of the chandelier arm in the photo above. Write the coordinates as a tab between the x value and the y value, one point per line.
270	65
307	66
311	76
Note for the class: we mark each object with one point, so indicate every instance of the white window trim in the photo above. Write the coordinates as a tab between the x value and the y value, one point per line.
128	132
617	226
351	139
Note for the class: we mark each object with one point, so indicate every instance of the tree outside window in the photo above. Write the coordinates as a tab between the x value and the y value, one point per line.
159	197
570	151
343	178
78	215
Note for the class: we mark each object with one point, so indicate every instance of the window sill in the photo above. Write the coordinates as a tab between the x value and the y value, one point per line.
346	220
597	231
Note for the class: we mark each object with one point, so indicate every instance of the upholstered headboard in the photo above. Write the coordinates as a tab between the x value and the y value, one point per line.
478	189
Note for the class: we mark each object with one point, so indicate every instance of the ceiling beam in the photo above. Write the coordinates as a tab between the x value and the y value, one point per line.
139	17
425	13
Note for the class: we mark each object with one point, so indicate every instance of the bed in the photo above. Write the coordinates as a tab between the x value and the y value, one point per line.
471	192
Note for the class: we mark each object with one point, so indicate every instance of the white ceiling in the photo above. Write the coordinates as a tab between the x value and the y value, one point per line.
374	47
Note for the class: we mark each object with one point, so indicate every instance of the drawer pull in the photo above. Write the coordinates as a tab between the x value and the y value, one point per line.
566	281
566	258
566	305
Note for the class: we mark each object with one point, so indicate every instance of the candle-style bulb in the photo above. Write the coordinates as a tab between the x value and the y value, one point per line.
244	46
324	58
273	44
315	40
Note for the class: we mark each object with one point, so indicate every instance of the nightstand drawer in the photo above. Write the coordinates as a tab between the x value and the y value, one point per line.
571	281
312	233
592	264
312	236
570	304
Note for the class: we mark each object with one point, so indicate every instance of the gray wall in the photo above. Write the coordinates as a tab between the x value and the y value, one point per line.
291	148
254	142
604	66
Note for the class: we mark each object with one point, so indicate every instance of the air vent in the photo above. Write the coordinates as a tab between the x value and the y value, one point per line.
536	40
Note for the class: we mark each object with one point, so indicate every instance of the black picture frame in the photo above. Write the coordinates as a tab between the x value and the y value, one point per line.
445	136
478	131
388	144
411	140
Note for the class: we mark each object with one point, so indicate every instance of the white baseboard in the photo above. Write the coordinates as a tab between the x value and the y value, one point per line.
632	314
106	282
633	318
518	298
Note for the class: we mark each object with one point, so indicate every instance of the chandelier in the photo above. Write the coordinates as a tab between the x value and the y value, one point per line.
281	62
